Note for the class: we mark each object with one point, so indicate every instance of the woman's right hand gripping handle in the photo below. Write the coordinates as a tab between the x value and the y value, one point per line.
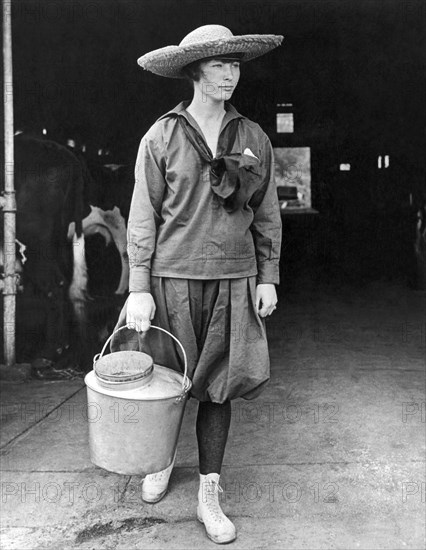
140	310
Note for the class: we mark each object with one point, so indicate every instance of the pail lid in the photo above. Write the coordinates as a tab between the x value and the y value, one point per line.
123	370
124	366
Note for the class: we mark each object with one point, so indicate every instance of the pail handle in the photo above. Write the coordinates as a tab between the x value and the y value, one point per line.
185	381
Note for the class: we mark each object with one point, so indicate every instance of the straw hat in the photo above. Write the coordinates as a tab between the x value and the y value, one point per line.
207	41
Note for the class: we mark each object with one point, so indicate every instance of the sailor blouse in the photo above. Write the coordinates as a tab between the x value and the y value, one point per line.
193	216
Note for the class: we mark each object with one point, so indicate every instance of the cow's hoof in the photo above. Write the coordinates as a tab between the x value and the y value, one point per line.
42	363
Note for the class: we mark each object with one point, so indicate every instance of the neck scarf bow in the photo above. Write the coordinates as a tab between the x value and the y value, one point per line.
234	177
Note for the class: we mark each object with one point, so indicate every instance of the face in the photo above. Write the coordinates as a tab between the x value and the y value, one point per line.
219	78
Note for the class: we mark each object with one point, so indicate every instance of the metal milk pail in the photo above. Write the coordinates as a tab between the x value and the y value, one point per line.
135	411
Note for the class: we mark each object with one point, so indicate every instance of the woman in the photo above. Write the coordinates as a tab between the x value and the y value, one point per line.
204	238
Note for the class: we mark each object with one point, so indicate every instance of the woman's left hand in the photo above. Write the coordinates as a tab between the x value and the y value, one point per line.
266	299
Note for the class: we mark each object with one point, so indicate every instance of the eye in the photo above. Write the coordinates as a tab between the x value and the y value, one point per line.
236	64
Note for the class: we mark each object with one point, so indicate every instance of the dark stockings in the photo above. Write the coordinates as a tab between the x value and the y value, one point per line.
213	422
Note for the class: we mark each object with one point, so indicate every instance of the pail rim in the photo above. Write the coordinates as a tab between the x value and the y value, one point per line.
128	392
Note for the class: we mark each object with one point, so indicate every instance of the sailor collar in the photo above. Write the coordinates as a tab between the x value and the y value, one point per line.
180	110
234	176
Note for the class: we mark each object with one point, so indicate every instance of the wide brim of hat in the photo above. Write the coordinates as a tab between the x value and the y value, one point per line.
170	60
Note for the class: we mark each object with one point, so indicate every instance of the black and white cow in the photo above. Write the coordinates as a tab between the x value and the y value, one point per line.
107	195
61	205
49	196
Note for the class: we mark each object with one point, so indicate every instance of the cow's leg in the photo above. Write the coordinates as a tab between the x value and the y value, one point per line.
117	226
123	285
45	283
78	288
78	296
55	332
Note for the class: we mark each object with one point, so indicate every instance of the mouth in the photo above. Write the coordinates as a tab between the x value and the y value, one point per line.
227	88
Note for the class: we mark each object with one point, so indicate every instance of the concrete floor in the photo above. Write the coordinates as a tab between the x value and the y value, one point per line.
332	455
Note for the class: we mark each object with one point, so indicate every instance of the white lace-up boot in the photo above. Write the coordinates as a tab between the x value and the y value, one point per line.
219	528
154	486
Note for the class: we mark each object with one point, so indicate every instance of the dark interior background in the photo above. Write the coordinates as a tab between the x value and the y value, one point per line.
354	71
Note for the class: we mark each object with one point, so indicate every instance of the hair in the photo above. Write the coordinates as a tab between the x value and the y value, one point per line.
193	72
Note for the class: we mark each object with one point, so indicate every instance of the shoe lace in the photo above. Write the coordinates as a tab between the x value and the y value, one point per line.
161	476
210	494
157	477
216	487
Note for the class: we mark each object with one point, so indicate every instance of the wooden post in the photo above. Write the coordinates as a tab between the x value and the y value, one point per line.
8	201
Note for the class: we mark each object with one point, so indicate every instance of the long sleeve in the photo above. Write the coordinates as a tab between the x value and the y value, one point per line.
266	227
145	212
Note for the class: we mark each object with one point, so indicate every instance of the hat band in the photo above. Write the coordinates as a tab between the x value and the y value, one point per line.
236	55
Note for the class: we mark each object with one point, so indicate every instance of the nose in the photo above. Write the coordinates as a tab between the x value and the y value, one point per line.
228	73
